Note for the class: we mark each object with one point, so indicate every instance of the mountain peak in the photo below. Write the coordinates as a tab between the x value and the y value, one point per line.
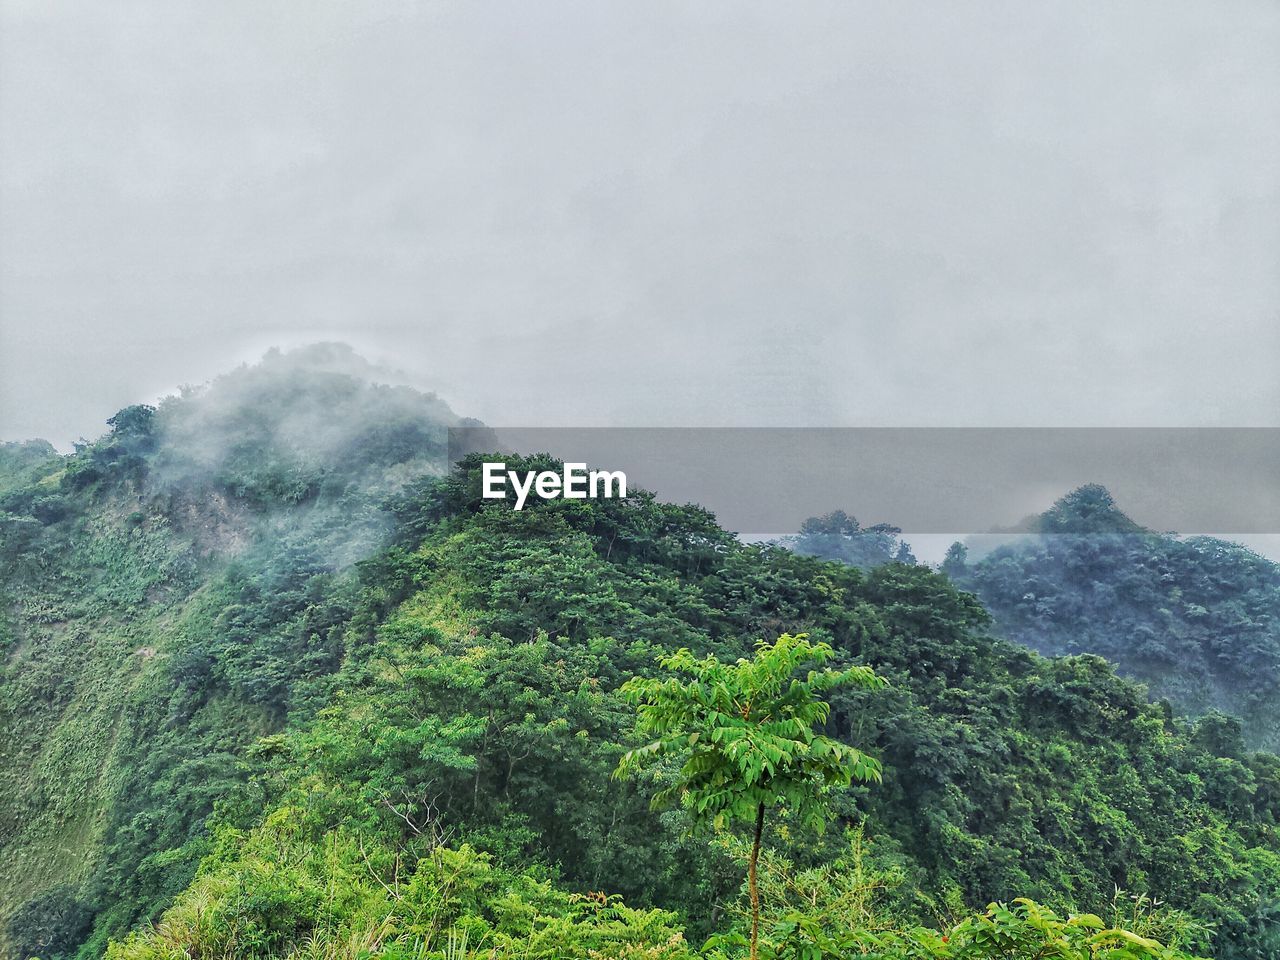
300	417
1087	509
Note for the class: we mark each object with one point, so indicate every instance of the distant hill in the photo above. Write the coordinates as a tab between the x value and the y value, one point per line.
1196	619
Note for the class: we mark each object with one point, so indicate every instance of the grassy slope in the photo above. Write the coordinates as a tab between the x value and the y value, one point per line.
91	614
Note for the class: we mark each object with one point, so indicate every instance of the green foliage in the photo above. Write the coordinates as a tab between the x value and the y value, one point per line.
847	907
1197	620
1025	929
1022	930
50	924
838	536
338	894
22	466
271	689
135	426
1086	510
746	731
861	885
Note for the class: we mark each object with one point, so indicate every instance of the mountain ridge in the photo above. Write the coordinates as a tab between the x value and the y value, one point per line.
222	622
1197	619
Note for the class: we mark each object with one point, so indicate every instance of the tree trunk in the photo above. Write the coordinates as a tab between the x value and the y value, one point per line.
751	885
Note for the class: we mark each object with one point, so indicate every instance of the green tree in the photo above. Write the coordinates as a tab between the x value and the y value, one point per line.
746	733
953	564
838	536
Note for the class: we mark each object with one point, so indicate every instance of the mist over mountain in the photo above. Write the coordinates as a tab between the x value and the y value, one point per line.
275	682
1195	619
126	570
285	676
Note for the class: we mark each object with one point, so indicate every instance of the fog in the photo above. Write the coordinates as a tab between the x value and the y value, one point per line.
592	213
312	443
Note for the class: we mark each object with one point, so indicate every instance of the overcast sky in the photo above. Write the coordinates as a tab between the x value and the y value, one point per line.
645	213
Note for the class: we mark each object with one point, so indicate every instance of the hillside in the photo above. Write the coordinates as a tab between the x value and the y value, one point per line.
166	594
256	630
1195	619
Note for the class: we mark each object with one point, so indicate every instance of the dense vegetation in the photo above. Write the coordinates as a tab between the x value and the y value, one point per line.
273	687
1195	619
839	536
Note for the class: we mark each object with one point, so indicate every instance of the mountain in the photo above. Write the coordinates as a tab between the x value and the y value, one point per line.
276	684
1197	620
167	594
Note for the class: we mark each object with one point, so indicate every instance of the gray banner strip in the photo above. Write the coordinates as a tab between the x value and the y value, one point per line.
928	480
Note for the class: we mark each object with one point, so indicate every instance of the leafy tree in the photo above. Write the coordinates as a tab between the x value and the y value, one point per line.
953	564
839	536
746	734
135	421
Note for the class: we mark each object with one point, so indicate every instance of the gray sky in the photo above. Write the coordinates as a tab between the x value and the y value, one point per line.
700	213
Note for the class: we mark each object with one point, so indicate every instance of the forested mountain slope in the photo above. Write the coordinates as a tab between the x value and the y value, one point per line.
479	700
253	630
165	592
1195	619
